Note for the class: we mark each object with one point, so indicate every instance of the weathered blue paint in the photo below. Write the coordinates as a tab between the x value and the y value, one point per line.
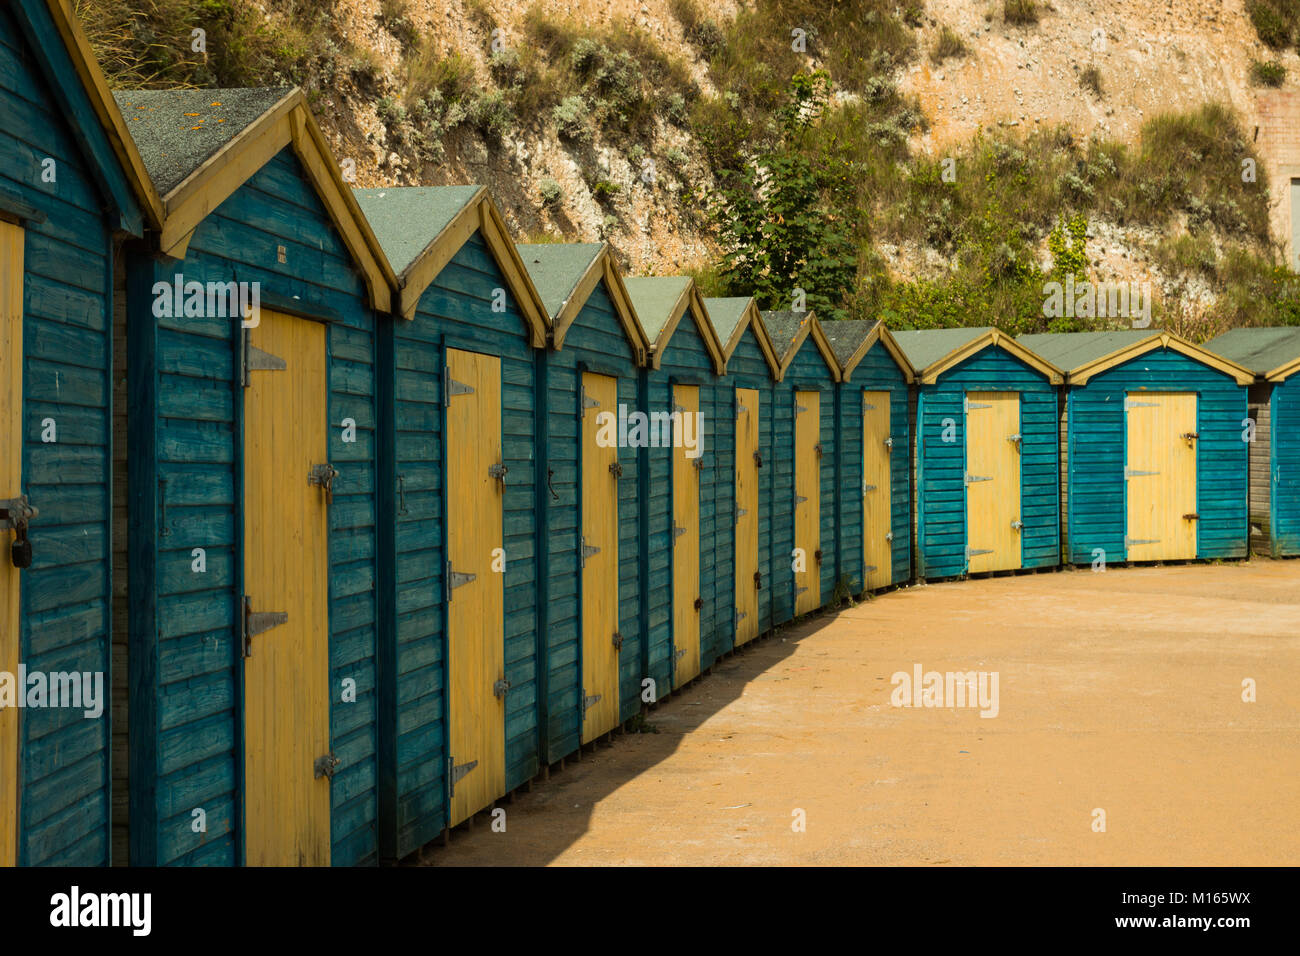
185	478
69	226
941	490
1096	432
877	371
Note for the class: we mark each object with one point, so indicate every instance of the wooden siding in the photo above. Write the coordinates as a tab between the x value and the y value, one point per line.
1096	455
748	369
941	493
184	465
1285	445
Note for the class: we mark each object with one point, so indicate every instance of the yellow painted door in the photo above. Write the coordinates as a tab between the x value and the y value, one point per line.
686	541
877	522
748	414
286	571
476	584
11	459
1160	476
599	560
993	481
807	502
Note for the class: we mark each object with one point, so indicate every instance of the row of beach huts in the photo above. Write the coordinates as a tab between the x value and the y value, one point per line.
365	515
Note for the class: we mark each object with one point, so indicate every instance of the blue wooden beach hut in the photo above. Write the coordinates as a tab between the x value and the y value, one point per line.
1273	354
1155	466
71	189
745	553
250	396
589	679
804	448
461	569
988	481
873	521
679	477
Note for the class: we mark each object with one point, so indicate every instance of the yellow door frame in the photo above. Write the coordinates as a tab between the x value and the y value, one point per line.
993	492
877	498
11	459
1160	476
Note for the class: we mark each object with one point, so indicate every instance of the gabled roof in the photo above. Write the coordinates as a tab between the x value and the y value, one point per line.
1271	353
422	227
53	30
1085	354
566	273
660	302
730	317
195	162
788	331
852	339
933	351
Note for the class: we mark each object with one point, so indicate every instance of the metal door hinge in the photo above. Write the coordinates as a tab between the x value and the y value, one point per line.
1129	542
325	765
969	405
456	579
971	479
866	487
500	688
587	550
800	499
586	403
457	772
679	409
678	531
323	477
741	410
868	407
451	388
1134	403
798	591
678	654
870	567
588	702
254	359
259	622
740	513
741	615
1134	473
971	552
800	408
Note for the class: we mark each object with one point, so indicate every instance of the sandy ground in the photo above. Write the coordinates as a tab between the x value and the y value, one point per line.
1119	691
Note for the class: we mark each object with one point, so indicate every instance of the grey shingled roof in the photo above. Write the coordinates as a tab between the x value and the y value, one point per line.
653	298
725	314
926	346
176	131
556	268
1261	349
782	327
405	219
846	336
1073	350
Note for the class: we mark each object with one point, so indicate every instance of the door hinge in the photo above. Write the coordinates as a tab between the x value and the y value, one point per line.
870	567
866	487
323	477
798	591
1134	473
325	765
679	409
586	403
588	702
1134	403
800	408
451	388
457	772
741	615
1129	542
500	688
799	499
678	531
1192	516
678	654
456	579
256	360
868	407
740	513
971	552
587	551
969	405
741	410
259	622
971	479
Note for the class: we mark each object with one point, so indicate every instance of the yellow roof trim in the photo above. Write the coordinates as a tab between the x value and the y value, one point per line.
1166	340
996	339
1283	371
824	346
603	266
879	334
752	318
690	297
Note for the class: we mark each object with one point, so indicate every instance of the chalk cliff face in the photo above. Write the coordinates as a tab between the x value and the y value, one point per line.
498	92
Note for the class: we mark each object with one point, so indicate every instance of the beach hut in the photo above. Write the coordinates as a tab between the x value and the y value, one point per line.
459	458
1274	409
250	397
987	476
71	189
873	523
803	452
1155	465
679	477
752	371
589	680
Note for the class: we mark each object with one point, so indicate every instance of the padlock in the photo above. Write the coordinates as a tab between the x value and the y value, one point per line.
21	551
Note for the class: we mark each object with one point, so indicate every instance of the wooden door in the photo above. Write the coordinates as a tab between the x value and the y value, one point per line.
748	415
475	584
1160	476
877	520
599	560
807	501
993	481
11	459
286	572
686	541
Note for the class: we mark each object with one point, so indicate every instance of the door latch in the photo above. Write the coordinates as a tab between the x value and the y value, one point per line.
499	689
1193	516
758	460
326	765
323	476
699	603
889	443
498	471
1017	439
1189	437
1017	524
818	449
616	469
817	555
758	580
16	513
618	641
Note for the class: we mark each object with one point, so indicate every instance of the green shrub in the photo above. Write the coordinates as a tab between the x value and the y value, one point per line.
1267	73
571	119
1090	80
1020	12
551	192
949	44
1274	21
